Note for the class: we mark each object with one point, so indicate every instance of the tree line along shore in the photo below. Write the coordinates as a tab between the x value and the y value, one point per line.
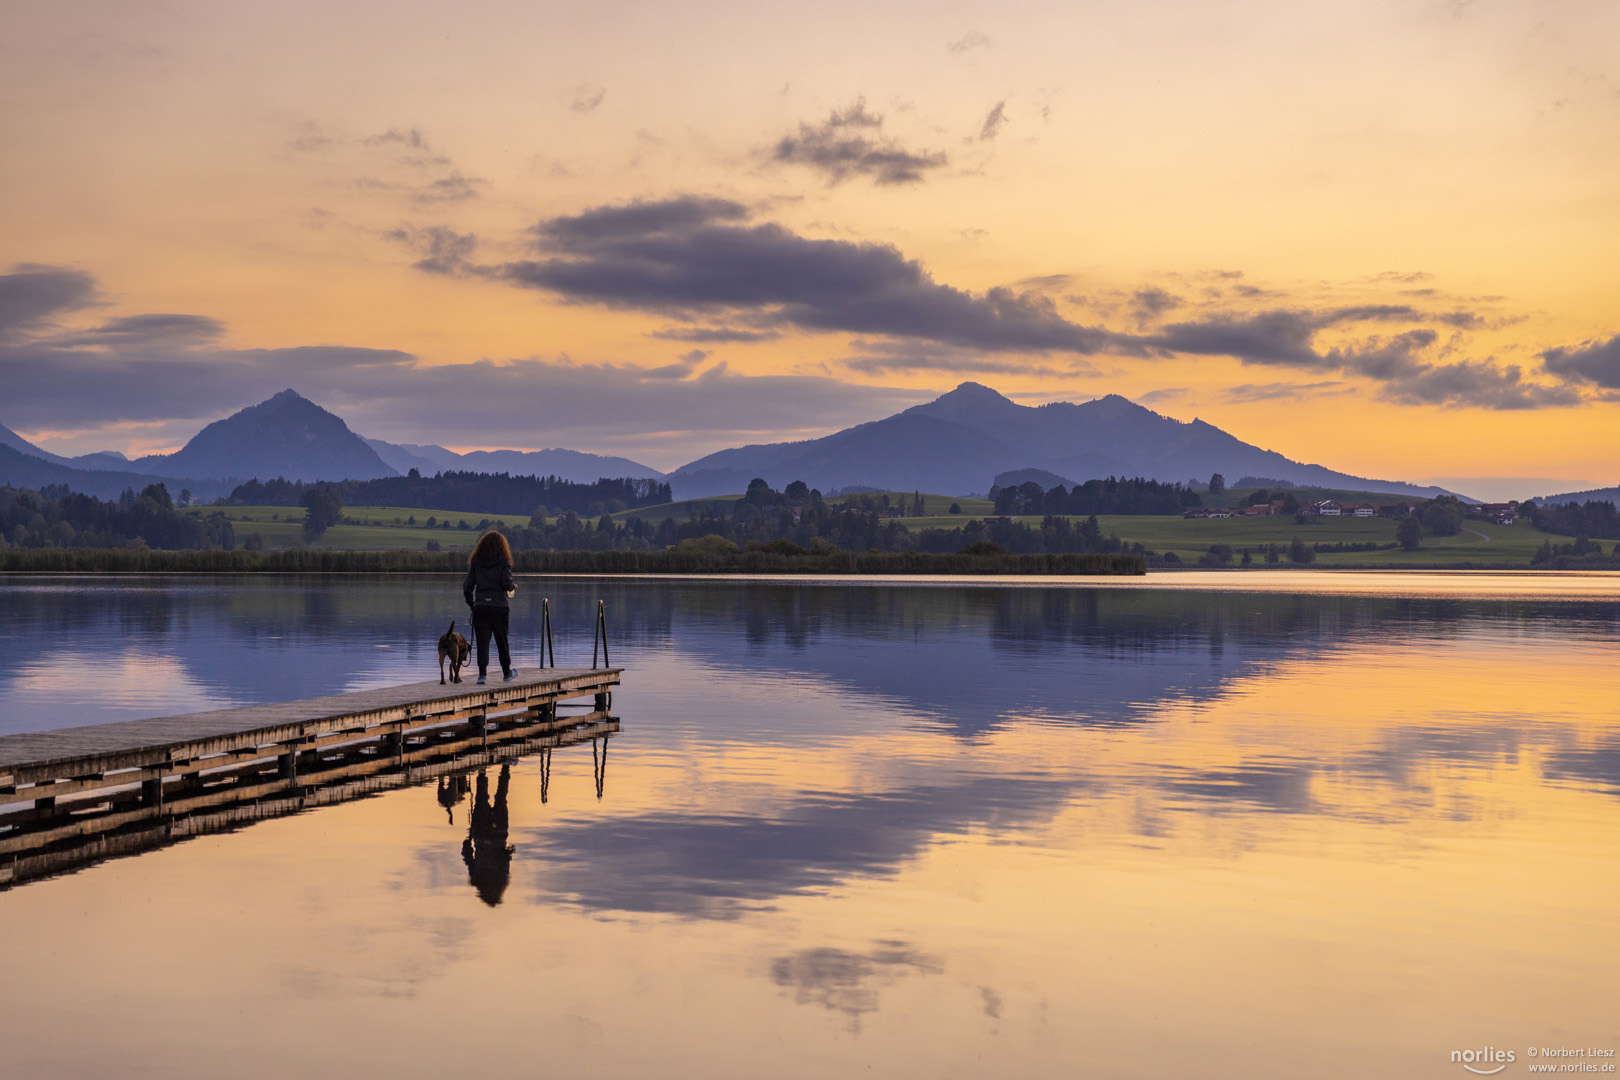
795	530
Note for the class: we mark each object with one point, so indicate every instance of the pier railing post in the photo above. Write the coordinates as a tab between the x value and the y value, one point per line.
546	645
600	635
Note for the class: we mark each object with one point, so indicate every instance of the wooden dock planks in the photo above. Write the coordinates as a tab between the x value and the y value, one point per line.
129	826
162	744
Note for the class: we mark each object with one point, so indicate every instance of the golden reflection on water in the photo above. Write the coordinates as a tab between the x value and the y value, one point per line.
1469	584
1337	865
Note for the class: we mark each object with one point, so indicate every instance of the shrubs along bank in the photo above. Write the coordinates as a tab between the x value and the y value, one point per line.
464	492
691	559
57	518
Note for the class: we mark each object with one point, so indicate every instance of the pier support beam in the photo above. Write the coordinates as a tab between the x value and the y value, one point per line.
287	765
152	791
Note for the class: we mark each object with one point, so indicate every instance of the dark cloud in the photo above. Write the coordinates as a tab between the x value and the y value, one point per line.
1286	338
994	122
443	251
1269	337
1149	304
969	41
176	331
851	143
693	255
1595	362
1479	384
579	233
1408	379
165	369
682	368
32	295
1045	282
1251	392
389	394
714	335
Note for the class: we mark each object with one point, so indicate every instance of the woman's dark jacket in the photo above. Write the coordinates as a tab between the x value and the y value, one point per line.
488	581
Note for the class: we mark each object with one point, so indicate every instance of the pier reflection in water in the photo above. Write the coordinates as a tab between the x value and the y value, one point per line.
125	821
916	831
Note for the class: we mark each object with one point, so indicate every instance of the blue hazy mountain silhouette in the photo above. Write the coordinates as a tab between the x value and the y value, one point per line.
22	470
957	443
576	466
1608	494
287	435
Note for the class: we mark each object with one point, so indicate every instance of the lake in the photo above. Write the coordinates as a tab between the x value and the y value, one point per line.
1282	824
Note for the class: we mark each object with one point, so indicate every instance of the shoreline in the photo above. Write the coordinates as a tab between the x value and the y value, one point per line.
603	563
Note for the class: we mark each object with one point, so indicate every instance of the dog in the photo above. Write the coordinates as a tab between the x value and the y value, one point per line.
454	648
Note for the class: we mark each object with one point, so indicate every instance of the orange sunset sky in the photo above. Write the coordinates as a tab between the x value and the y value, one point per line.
1376	236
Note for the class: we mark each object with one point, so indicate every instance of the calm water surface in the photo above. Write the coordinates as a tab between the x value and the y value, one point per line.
1301	825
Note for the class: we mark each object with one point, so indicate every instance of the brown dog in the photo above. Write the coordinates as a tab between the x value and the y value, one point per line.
454	648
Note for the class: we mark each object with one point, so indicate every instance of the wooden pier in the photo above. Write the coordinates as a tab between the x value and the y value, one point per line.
78	795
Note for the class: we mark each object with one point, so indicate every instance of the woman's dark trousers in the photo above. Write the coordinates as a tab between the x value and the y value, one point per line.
487	620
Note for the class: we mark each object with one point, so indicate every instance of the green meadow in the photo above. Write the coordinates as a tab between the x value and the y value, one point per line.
364	528
1479	543
390	528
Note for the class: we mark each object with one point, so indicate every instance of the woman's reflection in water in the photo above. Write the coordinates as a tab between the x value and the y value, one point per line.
452	789
485	851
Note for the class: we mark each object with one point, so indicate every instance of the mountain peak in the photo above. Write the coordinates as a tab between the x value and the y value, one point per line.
972	392
285	435
972	404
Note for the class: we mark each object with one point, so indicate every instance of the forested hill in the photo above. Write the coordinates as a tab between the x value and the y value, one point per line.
480	493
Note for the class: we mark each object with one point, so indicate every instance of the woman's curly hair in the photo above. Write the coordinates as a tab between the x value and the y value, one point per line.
491	543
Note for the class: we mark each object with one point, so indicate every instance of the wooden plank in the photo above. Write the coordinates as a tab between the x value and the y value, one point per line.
431	737
131	744
180	803
170	824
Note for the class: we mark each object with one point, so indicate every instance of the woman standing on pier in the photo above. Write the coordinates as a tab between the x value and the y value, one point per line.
486	588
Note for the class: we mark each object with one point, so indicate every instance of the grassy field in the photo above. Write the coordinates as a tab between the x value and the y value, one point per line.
388	528
933	505
937	505
678	510
364	528
1480	542
1234	498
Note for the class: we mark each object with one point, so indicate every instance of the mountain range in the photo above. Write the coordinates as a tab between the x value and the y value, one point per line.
959	444
288	436
1609	494
574	465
